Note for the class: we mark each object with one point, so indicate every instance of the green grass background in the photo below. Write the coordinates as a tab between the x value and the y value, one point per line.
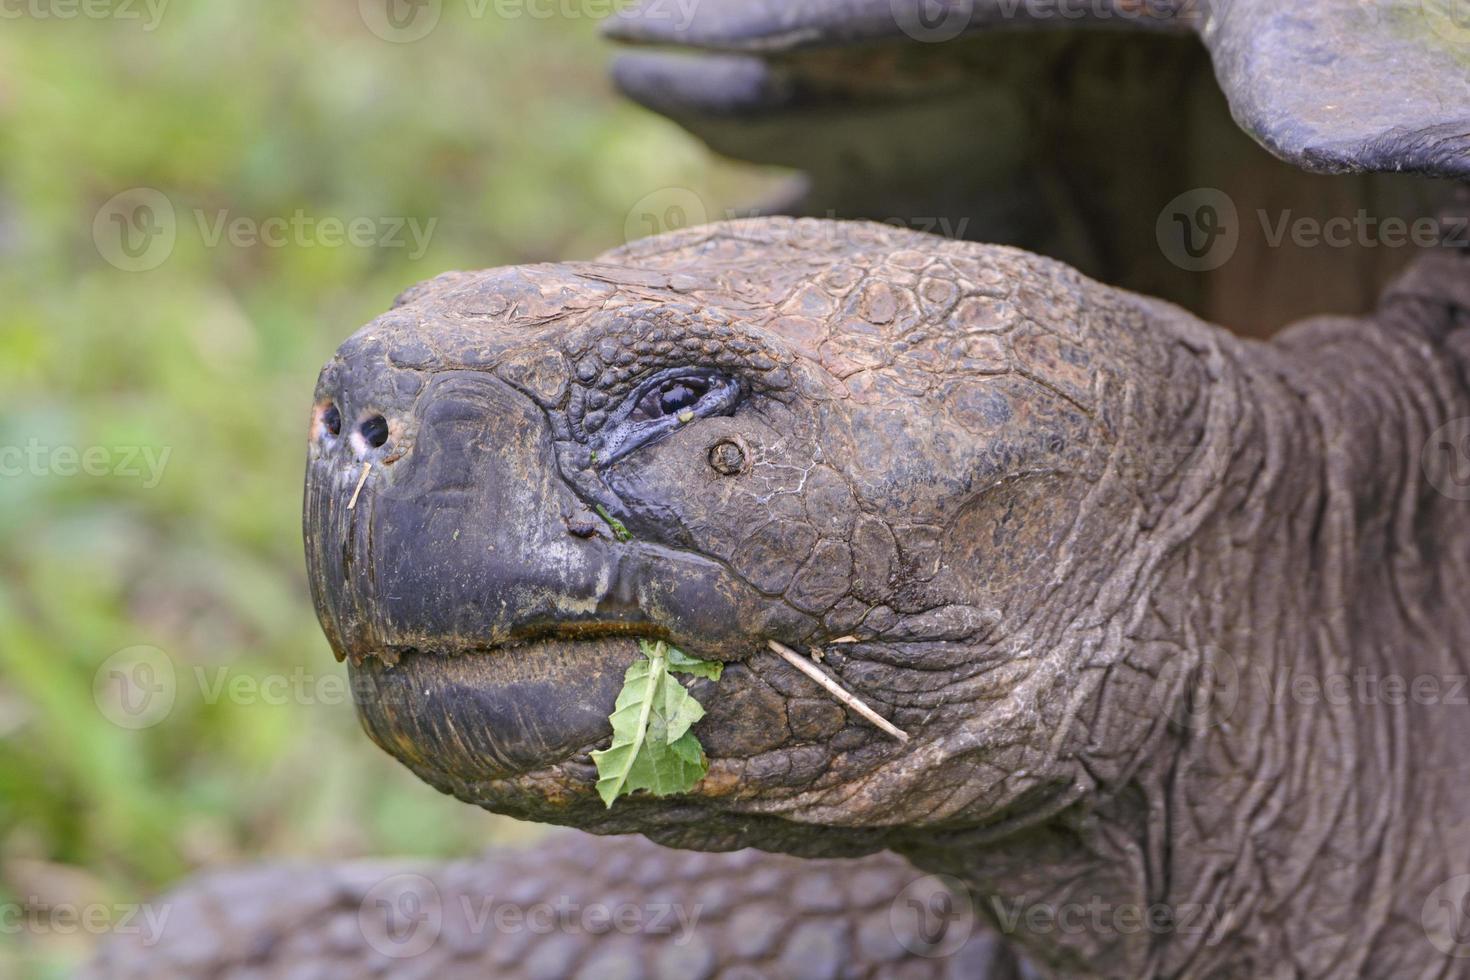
502	128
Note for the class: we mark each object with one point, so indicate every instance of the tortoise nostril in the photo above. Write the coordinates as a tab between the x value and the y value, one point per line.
332	420
375	431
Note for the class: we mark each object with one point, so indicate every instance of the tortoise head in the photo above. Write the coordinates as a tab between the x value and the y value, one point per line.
940	454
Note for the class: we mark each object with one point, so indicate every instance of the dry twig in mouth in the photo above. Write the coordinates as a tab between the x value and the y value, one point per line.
835	689
366	467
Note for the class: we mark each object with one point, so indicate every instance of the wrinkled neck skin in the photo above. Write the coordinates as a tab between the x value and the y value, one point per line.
1304	795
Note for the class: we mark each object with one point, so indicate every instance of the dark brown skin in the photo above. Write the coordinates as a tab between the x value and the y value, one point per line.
1083	539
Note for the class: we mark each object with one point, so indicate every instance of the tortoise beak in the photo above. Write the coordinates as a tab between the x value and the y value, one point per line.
483	623
465	542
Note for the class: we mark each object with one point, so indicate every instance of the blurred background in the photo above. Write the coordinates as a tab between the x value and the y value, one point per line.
198	202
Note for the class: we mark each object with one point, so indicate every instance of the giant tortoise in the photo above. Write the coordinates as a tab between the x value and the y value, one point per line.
1173	619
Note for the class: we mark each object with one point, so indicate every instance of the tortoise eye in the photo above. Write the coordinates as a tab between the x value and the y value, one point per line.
678	395
332	420
670	398
662	404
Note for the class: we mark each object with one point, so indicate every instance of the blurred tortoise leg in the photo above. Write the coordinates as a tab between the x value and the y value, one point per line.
574	906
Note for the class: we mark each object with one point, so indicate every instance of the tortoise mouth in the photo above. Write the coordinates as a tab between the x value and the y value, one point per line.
531	634
488	713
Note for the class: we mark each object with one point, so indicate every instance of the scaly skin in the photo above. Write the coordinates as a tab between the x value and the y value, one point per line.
1082	539
574	907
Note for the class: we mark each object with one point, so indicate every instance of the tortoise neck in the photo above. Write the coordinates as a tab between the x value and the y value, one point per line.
1310	751
1336	652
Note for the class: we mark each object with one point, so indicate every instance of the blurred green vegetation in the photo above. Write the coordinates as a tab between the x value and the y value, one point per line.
506	132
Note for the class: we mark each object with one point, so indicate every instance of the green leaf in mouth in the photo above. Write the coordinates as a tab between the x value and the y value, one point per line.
652	747
681	663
